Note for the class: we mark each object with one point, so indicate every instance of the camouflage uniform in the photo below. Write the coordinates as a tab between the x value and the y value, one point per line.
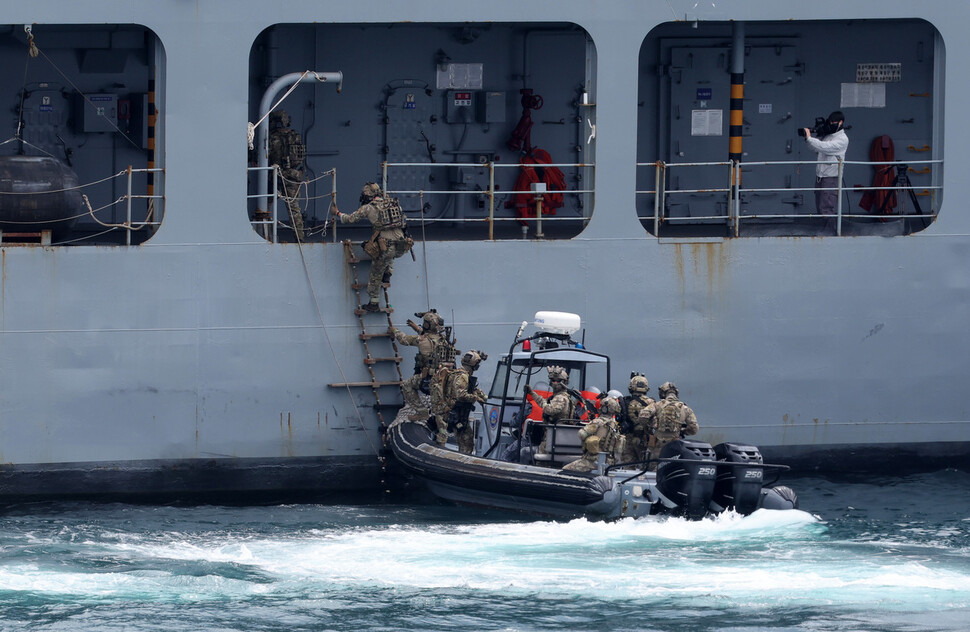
559	406
600	435
454	392
432	351
388	241
667	419
286	149
635	435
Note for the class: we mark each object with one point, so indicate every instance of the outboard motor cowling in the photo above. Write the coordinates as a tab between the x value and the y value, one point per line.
687	484
738	483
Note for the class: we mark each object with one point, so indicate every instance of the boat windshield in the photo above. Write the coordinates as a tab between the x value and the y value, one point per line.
587	372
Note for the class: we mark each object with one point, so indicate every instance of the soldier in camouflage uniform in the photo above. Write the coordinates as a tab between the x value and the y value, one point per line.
559	407
635	435
287	151
388	241
454	392
433	350
600	435
667	419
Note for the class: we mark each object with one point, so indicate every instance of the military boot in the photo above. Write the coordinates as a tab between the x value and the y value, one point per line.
371	307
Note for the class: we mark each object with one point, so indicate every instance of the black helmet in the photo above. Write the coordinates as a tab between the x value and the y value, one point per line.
279	118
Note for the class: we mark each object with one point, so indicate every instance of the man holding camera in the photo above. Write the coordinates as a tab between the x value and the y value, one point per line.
831	146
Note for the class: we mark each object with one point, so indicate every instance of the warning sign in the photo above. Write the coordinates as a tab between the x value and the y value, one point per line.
878	73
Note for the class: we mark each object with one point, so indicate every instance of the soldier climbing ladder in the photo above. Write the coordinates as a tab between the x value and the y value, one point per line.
375	336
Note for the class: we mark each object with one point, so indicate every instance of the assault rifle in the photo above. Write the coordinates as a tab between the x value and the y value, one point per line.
588	404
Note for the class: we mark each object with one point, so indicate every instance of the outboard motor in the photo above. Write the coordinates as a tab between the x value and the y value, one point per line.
738	483
687	484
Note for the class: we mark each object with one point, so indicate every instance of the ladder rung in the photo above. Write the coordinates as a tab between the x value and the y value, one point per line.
363	286
351	256
383	310
376	360
369	384
382	334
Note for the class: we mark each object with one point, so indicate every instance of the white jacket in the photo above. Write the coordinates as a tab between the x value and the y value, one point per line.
830	150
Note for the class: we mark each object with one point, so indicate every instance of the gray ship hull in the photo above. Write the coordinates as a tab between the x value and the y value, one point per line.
199	360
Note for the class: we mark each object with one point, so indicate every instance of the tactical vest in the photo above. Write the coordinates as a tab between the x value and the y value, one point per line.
441	398
669	419
609	438
630	407
427	343
443	352
569	413
292	151
389	213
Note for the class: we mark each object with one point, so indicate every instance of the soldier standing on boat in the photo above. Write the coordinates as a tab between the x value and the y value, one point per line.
388	241
288	152
600	435
560	406
433	349
454	392
635	436
667	419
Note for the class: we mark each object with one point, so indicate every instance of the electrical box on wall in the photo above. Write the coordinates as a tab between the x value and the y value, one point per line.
96	113
460	106
492	106
138	125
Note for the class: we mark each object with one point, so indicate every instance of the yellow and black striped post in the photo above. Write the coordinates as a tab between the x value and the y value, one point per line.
151	139
736	118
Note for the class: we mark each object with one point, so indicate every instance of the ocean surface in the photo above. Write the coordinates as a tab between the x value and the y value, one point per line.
864	554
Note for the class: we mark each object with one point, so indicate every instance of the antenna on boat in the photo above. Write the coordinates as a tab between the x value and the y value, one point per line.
424	251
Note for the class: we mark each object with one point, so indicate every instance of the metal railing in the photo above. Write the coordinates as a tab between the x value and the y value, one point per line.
491	192
152	211
734	215
266	221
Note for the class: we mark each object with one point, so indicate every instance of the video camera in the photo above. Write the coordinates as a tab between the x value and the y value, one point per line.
822	127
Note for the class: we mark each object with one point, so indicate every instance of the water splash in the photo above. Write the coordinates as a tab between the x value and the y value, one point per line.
316	567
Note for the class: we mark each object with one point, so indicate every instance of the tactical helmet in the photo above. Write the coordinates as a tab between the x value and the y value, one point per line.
609	406
667	388
371	190
430	320
557	373
639	384
279	118
472	359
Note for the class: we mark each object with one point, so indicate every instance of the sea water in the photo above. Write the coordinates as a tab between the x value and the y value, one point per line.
865	554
